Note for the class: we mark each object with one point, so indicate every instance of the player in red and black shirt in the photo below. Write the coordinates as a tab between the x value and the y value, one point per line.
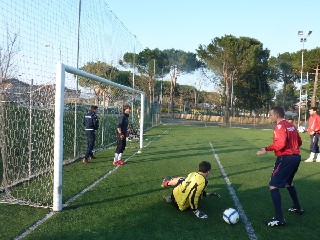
286	146
314	131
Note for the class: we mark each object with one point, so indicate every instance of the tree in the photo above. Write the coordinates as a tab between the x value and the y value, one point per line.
102	69
283	71
290	99
312	65
150	63
252	91
233	59
180	62
156	63
8	66
7	53
186	95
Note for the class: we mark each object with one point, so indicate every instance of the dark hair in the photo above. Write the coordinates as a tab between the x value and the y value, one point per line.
94	107
279	111
313	108
126	107
204	166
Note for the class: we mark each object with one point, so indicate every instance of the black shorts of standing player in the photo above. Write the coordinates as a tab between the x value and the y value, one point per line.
284	170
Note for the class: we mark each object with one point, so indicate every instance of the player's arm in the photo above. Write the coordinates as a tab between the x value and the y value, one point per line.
195	196
279	141
95	122
317	124
194	202
211	194
119	124
121	135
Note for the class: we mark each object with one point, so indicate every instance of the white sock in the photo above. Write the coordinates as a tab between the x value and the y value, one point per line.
120	156
115	157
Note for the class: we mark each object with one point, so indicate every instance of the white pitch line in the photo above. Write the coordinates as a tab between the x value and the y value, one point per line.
236	200
34	226
49	215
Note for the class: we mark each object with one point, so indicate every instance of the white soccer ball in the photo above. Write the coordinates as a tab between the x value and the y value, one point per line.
231	216
301	129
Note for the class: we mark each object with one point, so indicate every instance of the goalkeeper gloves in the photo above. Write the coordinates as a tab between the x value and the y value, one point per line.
200	214
213	194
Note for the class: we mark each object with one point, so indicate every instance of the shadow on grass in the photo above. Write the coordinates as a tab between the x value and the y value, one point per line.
144	215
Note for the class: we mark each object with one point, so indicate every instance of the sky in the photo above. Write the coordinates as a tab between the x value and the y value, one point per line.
185	24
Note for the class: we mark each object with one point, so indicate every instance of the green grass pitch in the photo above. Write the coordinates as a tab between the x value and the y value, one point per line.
128	204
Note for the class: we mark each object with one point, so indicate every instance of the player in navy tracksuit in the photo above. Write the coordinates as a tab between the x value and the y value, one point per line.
122	128
91	124
286	146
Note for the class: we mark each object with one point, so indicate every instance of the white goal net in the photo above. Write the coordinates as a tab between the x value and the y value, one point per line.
34	37
47	132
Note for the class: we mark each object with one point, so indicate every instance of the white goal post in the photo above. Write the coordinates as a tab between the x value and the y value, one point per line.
58	123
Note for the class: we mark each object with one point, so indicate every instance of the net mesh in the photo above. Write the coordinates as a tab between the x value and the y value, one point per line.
34	36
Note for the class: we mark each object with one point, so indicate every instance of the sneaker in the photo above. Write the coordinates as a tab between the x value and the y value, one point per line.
167	198
120	162
116	163
85	160
92	157
309	160
166	181
295	210
274	223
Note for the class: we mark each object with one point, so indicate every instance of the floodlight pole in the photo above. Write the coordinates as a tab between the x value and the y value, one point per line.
305	112
303	39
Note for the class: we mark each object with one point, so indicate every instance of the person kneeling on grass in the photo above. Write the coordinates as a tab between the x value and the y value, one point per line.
187	192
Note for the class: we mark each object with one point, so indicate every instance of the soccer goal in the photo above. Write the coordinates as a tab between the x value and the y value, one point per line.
44	132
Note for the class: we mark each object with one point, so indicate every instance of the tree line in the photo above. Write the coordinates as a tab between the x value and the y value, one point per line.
246	76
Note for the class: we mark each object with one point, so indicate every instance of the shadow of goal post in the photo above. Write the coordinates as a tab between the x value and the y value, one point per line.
58	123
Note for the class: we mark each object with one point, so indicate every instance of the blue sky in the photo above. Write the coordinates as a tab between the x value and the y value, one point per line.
163	24
184	24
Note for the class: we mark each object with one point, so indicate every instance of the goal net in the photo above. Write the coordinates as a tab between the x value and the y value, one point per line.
44	131
33	38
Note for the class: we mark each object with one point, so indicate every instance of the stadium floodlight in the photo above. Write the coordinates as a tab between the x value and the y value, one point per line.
303	39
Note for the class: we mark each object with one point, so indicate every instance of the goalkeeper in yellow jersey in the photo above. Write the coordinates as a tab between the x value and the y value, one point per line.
188	191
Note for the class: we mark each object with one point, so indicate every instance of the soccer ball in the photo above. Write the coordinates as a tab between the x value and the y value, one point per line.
231	216
301	129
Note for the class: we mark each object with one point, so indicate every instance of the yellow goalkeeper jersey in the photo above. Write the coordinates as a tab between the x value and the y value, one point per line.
188	193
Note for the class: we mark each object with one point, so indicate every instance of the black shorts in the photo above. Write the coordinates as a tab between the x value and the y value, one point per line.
284	170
